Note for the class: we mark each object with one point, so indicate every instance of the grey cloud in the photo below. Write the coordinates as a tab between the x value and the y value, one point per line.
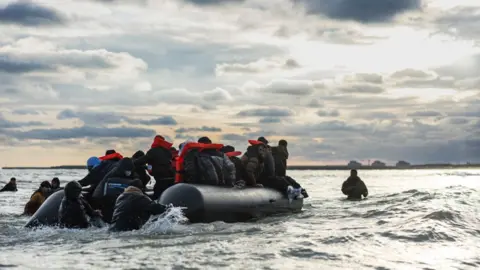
9	65
314	103
83	132
233	137
98	118
30	14
325	113
458	121
160	121
370	78
364	11
7	124
425	114
26	112
200	129
410	73
379	115
273	112
270	120
212	2
292	87
362	88
460	22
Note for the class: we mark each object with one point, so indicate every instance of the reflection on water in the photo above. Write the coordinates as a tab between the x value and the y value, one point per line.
423	219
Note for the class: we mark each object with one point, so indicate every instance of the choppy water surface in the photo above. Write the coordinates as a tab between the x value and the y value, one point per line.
424	219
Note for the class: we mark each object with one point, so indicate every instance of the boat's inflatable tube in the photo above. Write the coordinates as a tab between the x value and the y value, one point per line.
47	214
204	203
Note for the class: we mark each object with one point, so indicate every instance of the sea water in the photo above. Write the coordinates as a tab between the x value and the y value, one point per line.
413	219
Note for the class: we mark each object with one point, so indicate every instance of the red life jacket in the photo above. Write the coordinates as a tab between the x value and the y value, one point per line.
111	156
187	148
255	142
160	142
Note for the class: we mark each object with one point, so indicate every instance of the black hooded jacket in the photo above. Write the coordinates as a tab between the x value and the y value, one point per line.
9	187
114	183
133	209
97	174
140	168
74	208
280	155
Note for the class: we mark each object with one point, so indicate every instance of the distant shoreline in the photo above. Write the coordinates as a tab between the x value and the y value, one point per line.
298	167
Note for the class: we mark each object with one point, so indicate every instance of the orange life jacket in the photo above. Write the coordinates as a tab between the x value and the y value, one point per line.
187	148
111	156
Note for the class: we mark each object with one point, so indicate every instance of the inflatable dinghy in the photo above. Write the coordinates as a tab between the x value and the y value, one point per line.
205	204
47	214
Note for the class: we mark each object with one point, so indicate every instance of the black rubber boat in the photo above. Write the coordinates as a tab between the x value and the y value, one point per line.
201	203
204	203
47	214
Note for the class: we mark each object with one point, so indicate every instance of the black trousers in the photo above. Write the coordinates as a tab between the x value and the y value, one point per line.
161	184
280	183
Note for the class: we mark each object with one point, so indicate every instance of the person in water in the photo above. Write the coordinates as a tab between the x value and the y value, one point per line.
280	156
140	170
239	169
114	183
10	186
55	183
354	187
74	209
209	165
159	157
37	198
133	209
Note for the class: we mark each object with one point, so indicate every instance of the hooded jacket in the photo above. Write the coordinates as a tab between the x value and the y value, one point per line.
253	162
74	208
96	175
113	185
159	157
354	187
133	209
280	156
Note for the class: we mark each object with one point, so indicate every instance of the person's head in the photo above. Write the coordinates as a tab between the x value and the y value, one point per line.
13	180
45	187
353	173
93	162
126	165
227	149
205	140
55	183
73	190
263	140
282	143
110	151
138	154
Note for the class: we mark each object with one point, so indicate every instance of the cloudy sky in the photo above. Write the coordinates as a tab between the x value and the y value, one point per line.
340	80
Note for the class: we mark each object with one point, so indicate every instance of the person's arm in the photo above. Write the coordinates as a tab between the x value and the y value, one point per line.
88	179
141	161
156	208
88	208
364	189
250	170
346	189
231	171
4	188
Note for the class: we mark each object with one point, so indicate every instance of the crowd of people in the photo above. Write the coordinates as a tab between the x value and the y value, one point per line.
116	185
